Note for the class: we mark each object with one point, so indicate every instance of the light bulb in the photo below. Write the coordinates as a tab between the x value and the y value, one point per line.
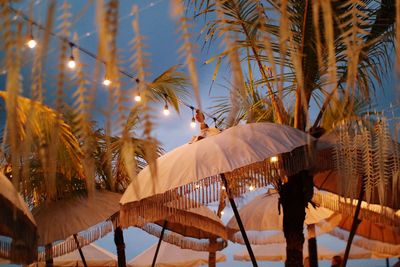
223	187
251	188
71	63
274	159
166	110
31	43
193	123
222	212
106	82
138	98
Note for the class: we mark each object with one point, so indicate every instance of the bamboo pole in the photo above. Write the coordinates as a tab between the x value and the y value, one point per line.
239	221
159	244
356	222
80	250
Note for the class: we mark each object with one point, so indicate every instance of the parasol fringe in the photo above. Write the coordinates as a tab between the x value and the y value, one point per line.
85	238
374	246
371	212
199	192
21	247
185	242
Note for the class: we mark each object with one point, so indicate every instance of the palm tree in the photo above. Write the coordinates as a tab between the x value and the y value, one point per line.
318	52
35	123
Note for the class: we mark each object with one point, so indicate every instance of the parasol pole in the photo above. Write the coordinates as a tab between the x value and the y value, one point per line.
239	221
159	244
80	250
49	255
387	262
356	222
312	246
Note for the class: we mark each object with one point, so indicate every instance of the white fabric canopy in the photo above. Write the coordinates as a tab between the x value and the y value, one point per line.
61	219
95	256
233	148
16	223
262	220
8	192
277	252
170	256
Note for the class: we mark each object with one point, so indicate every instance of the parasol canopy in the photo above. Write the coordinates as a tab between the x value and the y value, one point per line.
346	206
264	224
170	255
191	229
277	252
354	150
378	238
95	256
88	216
243	153
17	225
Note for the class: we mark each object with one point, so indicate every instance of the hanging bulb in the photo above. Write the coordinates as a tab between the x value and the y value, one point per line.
71	62
274	159
222	212
251	188
106	81
166	110
193	123
138	98
31	42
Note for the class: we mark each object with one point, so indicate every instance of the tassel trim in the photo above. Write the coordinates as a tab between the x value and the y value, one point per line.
186	242
208	190
377	247
346	206
22	246
85	238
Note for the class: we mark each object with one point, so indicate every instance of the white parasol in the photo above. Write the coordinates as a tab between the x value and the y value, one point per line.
95	256
170	255
264	224
16	223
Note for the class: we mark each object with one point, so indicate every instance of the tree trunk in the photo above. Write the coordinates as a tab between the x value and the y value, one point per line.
119	243
294	196
49	255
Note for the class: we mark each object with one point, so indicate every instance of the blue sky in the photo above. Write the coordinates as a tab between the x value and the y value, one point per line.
163	42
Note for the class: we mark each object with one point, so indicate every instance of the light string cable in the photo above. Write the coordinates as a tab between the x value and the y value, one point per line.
74	45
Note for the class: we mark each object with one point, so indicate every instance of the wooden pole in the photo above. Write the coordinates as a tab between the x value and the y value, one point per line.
49	255
354	226
80	250
312	246
159	244
120	244
239	221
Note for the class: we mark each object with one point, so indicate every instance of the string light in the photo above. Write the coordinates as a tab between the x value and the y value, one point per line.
251	188
193	122
223	187
166	110
274	159
71	61
138	98
31	43
222	212
106	81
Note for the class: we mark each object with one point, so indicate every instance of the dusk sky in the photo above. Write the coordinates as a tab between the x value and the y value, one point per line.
163	42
